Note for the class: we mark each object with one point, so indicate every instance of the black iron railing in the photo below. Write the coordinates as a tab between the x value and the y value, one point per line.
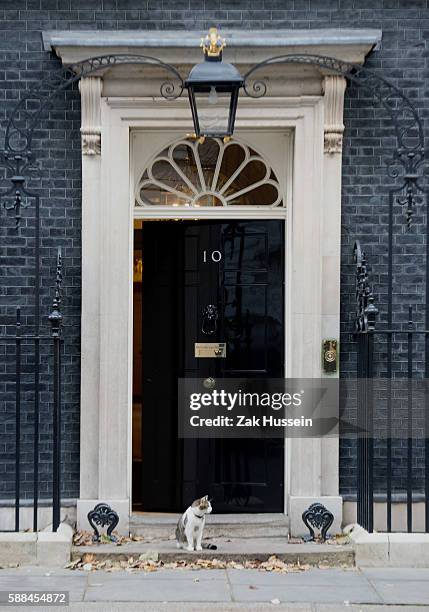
392	416
51	345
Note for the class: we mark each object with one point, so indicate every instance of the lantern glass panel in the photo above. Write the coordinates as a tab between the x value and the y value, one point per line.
213	110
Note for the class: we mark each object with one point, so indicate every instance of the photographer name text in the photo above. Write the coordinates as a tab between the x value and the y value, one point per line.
240	420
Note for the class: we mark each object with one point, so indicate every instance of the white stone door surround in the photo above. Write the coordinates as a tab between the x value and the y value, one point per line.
312	264
312	108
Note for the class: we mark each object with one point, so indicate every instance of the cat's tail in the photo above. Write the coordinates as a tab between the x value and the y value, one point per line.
209	546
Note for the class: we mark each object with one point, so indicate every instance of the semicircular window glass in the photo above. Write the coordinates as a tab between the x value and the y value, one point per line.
211	173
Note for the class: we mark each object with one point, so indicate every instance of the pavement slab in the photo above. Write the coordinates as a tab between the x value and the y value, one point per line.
401	592
190	607
408	574
365	608
312	590
225	607
294	593
140	587
311	577
74	584
178	575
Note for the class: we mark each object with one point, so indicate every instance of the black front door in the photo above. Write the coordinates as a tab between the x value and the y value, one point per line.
238	268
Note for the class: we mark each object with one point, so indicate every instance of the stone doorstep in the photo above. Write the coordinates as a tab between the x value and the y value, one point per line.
41	548
162	532
389	549
228	550
161	526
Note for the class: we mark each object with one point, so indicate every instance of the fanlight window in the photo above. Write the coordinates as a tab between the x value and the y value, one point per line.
211	173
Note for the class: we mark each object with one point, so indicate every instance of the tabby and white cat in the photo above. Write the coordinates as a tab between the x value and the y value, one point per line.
189	530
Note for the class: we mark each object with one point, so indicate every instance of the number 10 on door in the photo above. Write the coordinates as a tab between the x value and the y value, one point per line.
214	256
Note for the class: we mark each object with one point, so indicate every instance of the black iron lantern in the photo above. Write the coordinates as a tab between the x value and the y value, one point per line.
213	88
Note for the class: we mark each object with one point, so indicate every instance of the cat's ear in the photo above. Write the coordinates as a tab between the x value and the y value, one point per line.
205	498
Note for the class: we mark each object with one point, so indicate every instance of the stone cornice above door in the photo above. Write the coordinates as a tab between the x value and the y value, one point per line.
181	49
244	47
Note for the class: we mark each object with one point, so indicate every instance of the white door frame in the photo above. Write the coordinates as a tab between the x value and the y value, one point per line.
284	172
312	260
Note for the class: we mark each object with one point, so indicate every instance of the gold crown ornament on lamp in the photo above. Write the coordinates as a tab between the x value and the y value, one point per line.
213	44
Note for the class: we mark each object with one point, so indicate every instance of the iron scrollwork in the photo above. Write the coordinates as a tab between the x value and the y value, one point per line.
103	515
17	197
408	157
366	311
17	156
319	517
21	123
56	317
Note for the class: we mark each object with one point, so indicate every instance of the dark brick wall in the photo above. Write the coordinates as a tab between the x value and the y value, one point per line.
401	58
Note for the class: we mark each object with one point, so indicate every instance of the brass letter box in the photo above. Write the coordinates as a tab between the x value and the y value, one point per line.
213	350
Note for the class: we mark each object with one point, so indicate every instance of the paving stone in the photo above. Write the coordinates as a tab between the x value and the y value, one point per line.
178	575
179	607
312	577
401	592
325	588
365	608
396	573
74	584
40	570
362	593
144	588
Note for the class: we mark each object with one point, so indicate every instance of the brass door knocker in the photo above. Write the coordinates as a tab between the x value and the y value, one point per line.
209	325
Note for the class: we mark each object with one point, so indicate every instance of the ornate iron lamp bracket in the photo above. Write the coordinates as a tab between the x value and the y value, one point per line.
17	156
22	122
408	157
